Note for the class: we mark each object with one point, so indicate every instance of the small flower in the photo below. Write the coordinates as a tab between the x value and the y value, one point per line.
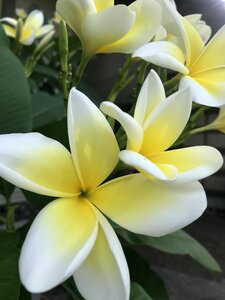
158	122
202	67
70	236
32	27
104	27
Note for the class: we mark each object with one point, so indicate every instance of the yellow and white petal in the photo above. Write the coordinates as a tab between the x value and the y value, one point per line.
106	27
145	207
35	19
192	163
10	21
103	4
28	35
73	12
39	164
166	123
129	124
164	171
151	94
164	54
147	21
213	54
195	43
44	30
204	92
203	29
92	141
59	240
105	269
9	30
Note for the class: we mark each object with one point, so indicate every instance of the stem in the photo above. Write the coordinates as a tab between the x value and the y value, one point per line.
80	69
170	84
122	80
201	129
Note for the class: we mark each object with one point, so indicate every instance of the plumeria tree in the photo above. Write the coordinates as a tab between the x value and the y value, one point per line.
97	172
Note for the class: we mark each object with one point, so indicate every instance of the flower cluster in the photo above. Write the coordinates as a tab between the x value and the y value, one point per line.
73	236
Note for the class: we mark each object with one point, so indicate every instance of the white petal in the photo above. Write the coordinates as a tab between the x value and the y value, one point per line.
105	269
59	240
131	127
146	207
10	21
164	54
44	30
35	19
151	94
39	164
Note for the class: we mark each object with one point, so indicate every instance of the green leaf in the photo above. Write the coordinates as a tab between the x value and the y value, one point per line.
46	108
24	295
178	242
15	102
138	293
46	71
141	273
9	274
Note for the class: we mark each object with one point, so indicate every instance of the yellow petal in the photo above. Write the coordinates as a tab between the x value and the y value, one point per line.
129	124
28	35
151	94
166	123
36	163
105	269
148	17
10	31
106	27
213	54
195	43
103	4
142	206
59	240
192	163
92	141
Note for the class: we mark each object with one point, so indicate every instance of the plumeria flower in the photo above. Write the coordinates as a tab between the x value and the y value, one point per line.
202	67
158	122
32	28
104	27
70	236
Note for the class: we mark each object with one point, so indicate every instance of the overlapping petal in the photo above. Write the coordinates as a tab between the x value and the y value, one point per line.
192	163
34	19
44	30
97	30
105	269
166	123
59	240
131	127
162	171
147	21
94	159
38	164
164	54
151	95
144	207
204	91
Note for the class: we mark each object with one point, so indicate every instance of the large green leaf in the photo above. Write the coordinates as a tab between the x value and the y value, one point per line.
46	108
9	275
141	273
138	293
178	242
15	102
